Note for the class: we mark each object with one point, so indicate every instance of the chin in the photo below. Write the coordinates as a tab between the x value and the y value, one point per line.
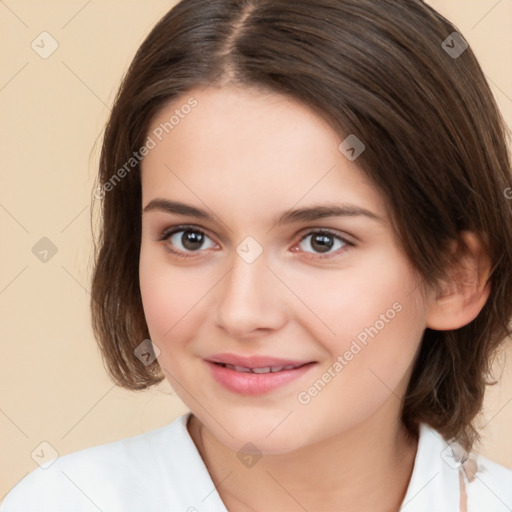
269	435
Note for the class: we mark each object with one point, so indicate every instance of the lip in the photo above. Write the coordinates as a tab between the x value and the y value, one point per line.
248	383
254	361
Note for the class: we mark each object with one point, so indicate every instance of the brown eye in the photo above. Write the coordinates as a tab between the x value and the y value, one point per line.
322	242
189	240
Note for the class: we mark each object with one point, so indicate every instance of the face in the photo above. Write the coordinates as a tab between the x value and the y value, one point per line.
272	285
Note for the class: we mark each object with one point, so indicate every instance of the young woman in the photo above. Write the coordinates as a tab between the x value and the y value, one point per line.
306	230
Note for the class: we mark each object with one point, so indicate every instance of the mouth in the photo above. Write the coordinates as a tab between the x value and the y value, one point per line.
261	369
255	375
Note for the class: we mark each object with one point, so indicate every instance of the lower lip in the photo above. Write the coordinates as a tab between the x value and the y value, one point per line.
246	383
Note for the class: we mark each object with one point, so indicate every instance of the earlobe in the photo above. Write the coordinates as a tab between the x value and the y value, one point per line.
463	295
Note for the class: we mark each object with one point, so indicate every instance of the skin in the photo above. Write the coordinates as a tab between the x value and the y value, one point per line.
246	156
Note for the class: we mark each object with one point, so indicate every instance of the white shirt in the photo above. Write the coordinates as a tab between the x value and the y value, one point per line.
162	470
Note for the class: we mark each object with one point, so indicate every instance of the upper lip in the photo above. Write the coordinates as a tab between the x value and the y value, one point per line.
255	361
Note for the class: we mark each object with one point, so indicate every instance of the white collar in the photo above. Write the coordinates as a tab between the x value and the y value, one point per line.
435	485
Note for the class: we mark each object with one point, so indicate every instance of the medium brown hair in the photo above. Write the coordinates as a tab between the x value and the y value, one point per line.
436	146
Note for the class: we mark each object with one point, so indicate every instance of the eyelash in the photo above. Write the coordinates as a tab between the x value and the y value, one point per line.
167	233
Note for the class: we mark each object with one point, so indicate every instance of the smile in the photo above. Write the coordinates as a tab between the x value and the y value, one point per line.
264	369
256	375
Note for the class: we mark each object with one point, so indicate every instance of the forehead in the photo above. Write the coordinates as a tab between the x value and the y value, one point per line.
243	149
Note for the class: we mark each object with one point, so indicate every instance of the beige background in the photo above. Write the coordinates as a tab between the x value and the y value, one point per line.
53	385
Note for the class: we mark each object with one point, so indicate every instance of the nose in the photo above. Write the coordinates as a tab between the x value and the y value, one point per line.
251	300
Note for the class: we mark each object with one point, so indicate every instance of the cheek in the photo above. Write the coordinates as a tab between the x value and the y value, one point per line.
344	303
370	320
369	364
170	296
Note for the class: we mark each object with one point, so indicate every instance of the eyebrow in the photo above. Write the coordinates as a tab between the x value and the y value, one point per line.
309	213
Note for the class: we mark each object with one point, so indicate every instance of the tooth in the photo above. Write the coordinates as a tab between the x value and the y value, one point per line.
241	369
266	369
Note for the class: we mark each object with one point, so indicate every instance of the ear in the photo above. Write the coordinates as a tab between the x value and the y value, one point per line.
461	297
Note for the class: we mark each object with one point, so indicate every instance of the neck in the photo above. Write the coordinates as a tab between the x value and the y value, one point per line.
367	467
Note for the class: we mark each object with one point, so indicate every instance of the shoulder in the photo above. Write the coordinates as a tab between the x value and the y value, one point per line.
116	476
443	472
490	488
